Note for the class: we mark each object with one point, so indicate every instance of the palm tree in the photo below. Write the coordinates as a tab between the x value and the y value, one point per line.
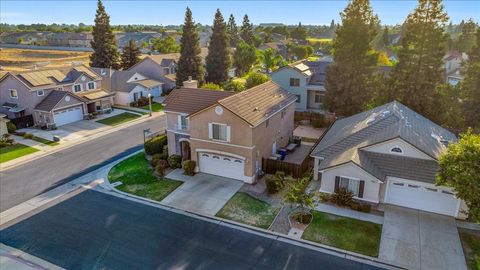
269	59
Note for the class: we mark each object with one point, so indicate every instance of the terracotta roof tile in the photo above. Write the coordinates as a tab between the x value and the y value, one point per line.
192	100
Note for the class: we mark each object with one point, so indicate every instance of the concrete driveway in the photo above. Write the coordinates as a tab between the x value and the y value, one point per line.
202	193
420	240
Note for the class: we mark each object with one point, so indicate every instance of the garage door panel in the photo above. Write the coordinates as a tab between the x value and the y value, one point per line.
225	166
69	115
422	197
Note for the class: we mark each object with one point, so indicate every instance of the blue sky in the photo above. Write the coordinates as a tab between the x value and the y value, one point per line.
172	12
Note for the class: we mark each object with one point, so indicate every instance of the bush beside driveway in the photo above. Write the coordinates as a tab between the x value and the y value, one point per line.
138	178
249	210
344	233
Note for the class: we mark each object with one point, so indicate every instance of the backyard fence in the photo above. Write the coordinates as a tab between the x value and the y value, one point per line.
271	166
23	122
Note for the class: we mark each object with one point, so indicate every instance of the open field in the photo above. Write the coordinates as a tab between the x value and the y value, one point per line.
312	40
26	59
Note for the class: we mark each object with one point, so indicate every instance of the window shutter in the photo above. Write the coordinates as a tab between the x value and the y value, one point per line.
361	188
179	121
228	133
337	183
210	131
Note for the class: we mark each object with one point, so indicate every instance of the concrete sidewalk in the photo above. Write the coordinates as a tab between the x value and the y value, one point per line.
31	143
67	144
349	213
11	258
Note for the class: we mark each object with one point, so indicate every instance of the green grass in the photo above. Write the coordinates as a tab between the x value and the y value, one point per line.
137	178
344	233
44	141
130	110
156	107
471	248
246	209
118	119
15	151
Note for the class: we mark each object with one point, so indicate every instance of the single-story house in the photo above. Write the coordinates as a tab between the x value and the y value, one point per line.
387	155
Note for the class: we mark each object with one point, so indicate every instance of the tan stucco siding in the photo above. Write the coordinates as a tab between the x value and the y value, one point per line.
240	131
279	130
172	150
172	120
372	186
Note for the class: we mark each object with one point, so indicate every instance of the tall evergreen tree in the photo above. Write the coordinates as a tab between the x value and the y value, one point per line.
420	69
246	31
130	55
104	45
299	32
218	58
190	63
385	37
232	32
470	86
349	77
466	39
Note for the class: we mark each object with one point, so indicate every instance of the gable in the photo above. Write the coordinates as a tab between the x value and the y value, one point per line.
136	77
407	149
72	100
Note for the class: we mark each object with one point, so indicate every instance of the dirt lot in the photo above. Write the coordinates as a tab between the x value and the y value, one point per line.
26	59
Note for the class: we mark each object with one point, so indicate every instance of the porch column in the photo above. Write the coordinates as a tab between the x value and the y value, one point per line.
316	161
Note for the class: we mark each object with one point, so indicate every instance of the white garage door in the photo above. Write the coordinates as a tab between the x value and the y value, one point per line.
423	197
221	165
66	116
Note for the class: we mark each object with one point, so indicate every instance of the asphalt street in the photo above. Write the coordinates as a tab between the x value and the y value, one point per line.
92	230
24	182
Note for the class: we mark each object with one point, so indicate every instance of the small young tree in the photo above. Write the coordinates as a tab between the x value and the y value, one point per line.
296	195
130	55
269	59
255	79
244	57
460	169
166	45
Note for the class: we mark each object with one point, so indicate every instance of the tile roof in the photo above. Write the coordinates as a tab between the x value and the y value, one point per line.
50	101
93	95
148	83
345	139
256	104
192	100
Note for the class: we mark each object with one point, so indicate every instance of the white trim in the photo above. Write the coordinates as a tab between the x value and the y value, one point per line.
355	197
355	164
210	127
73	88
184	140
66	107
415	182
43	93
10	93
223	143
177	132
181	113
350	177
457	210
220	153
94	85
396	153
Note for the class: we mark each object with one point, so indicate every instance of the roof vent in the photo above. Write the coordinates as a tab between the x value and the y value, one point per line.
255	109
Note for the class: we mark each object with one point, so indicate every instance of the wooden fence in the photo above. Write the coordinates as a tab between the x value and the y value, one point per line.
271	166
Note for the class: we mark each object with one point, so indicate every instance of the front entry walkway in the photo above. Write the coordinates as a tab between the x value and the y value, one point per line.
202	193
420	240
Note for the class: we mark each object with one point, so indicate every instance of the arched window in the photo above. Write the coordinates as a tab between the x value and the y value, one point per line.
397	150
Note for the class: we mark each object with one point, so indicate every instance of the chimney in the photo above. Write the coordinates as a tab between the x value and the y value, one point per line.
190	83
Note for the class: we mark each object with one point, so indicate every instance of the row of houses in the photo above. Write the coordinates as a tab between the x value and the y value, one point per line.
55	97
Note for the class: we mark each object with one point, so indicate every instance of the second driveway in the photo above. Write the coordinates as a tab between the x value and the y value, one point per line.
420	240
202	193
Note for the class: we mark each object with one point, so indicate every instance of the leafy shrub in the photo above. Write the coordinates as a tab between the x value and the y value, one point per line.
11	128
175	161
155	145
164	154
160	170
142	101
234	86
342	197
189	167
355	206
272	184
28	136
211	86
19	133
366	208
324	197
255	79
163	163
155	159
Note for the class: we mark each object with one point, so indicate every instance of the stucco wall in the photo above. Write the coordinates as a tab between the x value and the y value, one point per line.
282	78
154	71
124	98
372	186
26	98
408	149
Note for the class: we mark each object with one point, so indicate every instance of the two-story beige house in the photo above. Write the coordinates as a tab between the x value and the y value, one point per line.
229	133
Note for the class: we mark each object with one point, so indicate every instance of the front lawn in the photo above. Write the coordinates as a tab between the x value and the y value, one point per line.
119	119
15	151
471	248
156	107
344	233
44	141
137	178
246	209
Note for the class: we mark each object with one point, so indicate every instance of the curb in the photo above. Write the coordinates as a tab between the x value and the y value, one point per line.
245	227
43	153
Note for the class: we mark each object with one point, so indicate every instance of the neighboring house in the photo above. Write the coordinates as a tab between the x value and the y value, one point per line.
159	67
129	86
39	94
392	56
138	37
453	60
279	48
387	155
3	124
306	80
229	133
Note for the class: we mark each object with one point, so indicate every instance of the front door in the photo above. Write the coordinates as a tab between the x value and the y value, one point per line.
185	150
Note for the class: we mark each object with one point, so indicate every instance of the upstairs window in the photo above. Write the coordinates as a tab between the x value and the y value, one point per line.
294	82
77	88
40	93
13	93
219	132
91	85
396	150
299	98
